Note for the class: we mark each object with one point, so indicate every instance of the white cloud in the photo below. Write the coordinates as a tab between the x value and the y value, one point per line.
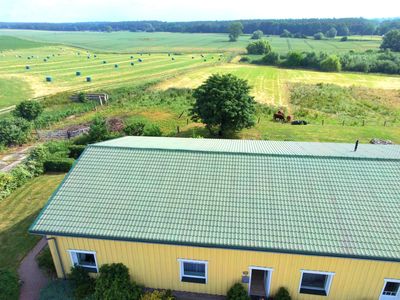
180	10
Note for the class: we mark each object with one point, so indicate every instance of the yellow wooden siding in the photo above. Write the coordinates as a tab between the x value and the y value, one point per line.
157	266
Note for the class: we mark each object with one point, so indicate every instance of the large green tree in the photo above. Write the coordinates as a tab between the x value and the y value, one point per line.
331	33
29	110
224	104
258	34
259	47
235	30
391	40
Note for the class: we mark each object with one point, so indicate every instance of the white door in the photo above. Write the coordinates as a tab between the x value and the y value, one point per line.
391	290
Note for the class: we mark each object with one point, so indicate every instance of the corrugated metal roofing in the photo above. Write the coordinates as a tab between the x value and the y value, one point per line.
311	198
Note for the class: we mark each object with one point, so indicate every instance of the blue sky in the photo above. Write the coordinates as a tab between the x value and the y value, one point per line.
181	10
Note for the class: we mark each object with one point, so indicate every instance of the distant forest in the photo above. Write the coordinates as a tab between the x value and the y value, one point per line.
356	26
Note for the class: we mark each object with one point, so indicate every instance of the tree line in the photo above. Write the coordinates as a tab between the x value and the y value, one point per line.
355	26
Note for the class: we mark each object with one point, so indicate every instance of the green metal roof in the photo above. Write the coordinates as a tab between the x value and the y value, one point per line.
309	198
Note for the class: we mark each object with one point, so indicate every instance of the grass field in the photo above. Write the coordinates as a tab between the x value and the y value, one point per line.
270	83
17	213
10	42
123	41
17	82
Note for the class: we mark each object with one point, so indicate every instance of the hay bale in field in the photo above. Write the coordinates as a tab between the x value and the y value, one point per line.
49	79
27	67
140	60
132	63
45	60
95	56
88	79
104	61
192	57
131	56
29	57
173	58
169	54
116	66
205	60
78	73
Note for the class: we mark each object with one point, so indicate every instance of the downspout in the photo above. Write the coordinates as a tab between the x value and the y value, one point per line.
58	255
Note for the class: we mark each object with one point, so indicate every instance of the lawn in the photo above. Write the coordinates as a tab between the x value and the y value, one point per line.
123	41
13	90
17	212
270	83
10	42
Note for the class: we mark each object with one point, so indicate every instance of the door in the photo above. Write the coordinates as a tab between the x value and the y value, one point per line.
259	283
391	290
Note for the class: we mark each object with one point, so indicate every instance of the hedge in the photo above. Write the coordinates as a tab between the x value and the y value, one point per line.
58	165
76	150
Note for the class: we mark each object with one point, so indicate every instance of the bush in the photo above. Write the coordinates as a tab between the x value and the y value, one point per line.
237	292
344	39
158	295
152	130
259	47
58	165
286	34
244	59
57	289
258	34
318	36
9	287
29	110
114	283
391	40
331	64
331	33
14	131
272	58
83	285
45	261
135	129
282	294
98	129
76	150
294	59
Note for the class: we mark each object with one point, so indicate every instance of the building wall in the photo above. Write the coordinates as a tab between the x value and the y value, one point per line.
157	266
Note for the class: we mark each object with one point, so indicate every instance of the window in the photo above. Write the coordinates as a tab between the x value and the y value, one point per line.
316	283
193	271
391	289
85	259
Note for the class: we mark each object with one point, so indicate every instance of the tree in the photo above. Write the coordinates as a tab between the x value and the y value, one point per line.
258	47
331	64
343	30
29	110
271	58
223	102
318	36
14	131
286	34
331	33
235	30
98	129
391	40
258	34
108	29
294	59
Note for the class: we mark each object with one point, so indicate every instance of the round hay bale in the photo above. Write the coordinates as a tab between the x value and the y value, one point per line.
104	62
49	79
27	67
192	57
88	79
116	66
45	60
78	73
132	63
95	56
173	58
140	60
205	60
29	57
131	56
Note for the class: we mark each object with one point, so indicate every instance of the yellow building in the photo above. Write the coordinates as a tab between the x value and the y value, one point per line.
199	215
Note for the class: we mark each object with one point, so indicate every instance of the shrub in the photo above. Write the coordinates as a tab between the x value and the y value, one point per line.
29	110
331	33
158	295
258	47
344	39
82	97
244	59
258	34
272	58
115	125
14	131
76	150
152	130
282	294
98	129
237	292
286	34
57	289
135	129
83	285
58	165
114	283
331	64
294	59
318	36
45	261
9	287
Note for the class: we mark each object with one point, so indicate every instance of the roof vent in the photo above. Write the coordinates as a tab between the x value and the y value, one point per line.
356	146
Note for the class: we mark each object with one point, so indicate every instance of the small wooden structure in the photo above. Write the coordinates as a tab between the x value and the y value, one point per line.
101	98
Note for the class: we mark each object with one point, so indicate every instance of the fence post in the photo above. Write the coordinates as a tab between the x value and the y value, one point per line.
177	129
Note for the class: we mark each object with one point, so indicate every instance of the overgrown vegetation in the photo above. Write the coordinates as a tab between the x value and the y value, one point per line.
45	262
237	292
282	294
9	287
158	295
82	284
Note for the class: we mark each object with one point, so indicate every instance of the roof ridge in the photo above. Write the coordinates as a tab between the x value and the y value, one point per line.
365	158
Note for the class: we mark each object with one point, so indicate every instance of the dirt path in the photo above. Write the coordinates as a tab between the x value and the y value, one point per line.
10	161
33	279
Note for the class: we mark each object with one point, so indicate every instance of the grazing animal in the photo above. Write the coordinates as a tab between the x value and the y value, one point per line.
279	116
299	122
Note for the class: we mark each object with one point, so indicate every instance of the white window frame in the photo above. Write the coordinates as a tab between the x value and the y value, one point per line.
383	288
269	270
73	262
327	285
182	271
